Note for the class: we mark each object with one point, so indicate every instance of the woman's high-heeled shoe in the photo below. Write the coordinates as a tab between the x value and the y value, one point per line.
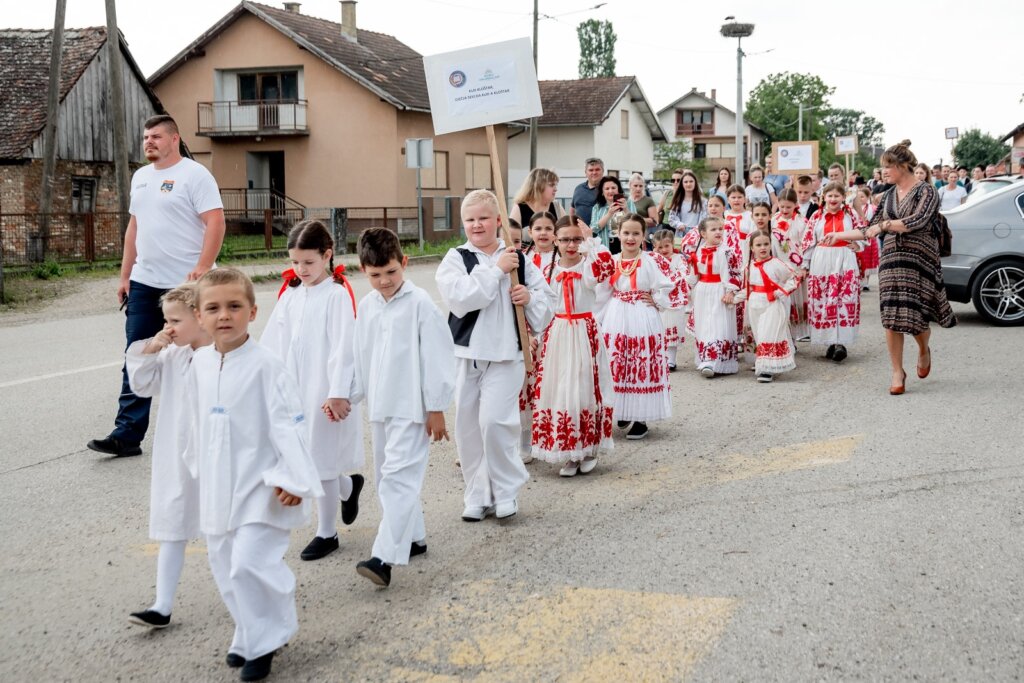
898	389
923	372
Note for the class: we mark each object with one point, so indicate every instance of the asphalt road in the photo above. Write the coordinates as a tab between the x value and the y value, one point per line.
811	529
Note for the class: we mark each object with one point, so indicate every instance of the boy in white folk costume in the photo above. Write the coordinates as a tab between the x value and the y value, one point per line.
405	364
247	446
158	366
475	284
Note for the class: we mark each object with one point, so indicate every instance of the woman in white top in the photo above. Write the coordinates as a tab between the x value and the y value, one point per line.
951	195
688	207
759	191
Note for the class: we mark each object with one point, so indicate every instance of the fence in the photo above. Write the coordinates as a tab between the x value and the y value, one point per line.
29	238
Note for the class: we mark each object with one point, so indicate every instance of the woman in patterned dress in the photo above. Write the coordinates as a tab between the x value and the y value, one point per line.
911	291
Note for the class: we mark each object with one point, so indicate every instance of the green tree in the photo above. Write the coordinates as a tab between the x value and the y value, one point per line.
774	106
597	48
975	147
678	154
868	129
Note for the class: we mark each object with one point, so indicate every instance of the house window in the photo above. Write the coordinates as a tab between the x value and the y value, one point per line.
700	151
695	122
624	124
83	195
436	178
612	172
478	172
269	86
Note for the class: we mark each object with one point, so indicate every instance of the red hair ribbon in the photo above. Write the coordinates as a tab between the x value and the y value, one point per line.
286	275
339	277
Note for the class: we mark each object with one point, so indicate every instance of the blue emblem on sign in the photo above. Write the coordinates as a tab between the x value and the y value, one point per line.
457	79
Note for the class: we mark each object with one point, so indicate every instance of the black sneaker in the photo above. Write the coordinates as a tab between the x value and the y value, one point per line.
417	549
350	507
113	446
637	431
375	570
622	424
257	669
840	355
319	547
150	618
831	353
764	378
235	660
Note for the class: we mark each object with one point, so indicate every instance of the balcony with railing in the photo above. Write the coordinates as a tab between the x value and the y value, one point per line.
249	118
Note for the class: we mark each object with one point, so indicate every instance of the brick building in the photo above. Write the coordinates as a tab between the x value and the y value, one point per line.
84	190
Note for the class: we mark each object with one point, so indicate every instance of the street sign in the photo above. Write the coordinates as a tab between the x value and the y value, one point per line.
952	133
846	144
795	158
419	153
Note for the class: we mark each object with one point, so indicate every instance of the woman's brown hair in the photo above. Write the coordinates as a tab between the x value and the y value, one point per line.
900	155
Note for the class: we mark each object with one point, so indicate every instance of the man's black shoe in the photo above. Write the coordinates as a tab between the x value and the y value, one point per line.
113	446
831	353
840	355
319	547
150	618
257	669
235	660
375	570
350	507
417	549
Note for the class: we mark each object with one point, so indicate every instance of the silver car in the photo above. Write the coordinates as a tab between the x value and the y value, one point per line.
987	264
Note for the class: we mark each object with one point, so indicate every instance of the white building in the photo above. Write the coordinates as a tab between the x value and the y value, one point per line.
609	118
711	130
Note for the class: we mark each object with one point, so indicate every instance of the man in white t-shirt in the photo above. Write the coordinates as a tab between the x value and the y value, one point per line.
174	234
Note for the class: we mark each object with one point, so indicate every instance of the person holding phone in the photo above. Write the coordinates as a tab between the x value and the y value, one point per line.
609	209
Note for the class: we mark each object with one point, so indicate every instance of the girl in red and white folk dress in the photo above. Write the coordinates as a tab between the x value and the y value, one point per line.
769	281
674	317
867	258
761	217
572	419
833	280
634	334
790	232
714	279
738	226
688	245
542	237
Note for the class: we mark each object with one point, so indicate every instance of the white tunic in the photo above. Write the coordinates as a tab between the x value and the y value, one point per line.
486	289
247	435
405	358
311	330
173	493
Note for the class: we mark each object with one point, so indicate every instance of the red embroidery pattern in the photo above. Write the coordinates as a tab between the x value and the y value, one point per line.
603	266
636	360
778	349
833	300
718	350
630	297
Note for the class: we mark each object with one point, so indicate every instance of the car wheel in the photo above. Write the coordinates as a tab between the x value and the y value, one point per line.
998	293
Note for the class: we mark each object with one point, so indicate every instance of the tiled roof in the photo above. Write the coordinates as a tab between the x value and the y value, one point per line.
24	79
583	102
379	62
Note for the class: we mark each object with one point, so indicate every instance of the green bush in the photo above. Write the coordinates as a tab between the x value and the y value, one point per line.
47	270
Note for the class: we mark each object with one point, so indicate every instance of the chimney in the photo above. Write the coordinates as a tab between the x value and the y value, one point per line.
714	94
292	7
348	20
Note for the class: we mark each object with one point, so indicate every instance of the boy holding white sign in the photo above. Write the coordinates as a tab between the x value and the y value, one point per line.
475	284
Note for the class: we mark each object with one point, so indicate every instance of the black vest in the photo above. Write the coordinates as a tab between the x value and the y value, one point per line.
462	328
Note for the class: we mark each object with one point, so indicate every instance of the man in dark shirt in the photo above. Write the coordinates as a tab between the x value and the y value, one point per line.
585	194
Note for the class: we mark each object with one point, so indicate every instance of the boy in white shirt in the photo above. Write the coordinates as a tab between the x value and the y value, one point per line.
405	369
475	284
247	447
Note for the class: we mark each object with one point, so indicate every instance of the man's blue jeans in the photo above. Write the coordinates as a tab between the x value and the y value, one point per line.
143	319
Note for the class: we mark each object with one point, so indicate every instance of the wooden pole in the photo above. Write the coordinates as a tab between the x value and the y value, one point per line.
117	114
506	234
50	132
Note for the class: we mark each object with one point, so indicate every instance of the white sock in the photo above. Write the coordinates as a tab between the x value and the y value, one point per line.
344	486
169	563
327	509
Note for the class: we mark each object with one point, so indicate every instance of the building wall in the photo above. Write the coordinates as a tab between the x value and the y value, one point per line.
21	185
352	156
635	153
563	150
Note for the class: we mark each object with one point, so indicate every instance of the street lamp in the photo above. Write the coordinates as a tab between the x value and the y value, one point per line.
739	31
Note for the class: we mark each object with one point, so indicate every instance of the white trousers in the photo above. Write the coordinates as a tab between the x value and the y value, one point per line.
256	585
487	430
400	452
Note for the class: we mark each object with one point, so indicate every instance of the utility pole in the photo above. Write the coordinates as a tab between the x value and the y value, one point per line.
533	120
117	112
739	32
800	122
50	132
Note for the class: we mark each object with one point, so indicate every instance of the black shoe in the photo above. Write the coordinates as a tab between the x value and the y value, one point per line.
235	660
417	549
671	367
376	570
840	355
113	446
257	669
831	353
622	424
150	618
319	547
350	507
764	378
637	431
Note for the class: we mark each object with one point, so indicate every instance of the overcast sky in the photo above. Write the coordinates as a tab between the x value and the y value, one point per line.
917	67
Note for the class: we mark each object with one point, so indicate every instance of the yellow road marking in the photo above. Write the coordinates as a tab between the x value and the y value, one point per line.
800	456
